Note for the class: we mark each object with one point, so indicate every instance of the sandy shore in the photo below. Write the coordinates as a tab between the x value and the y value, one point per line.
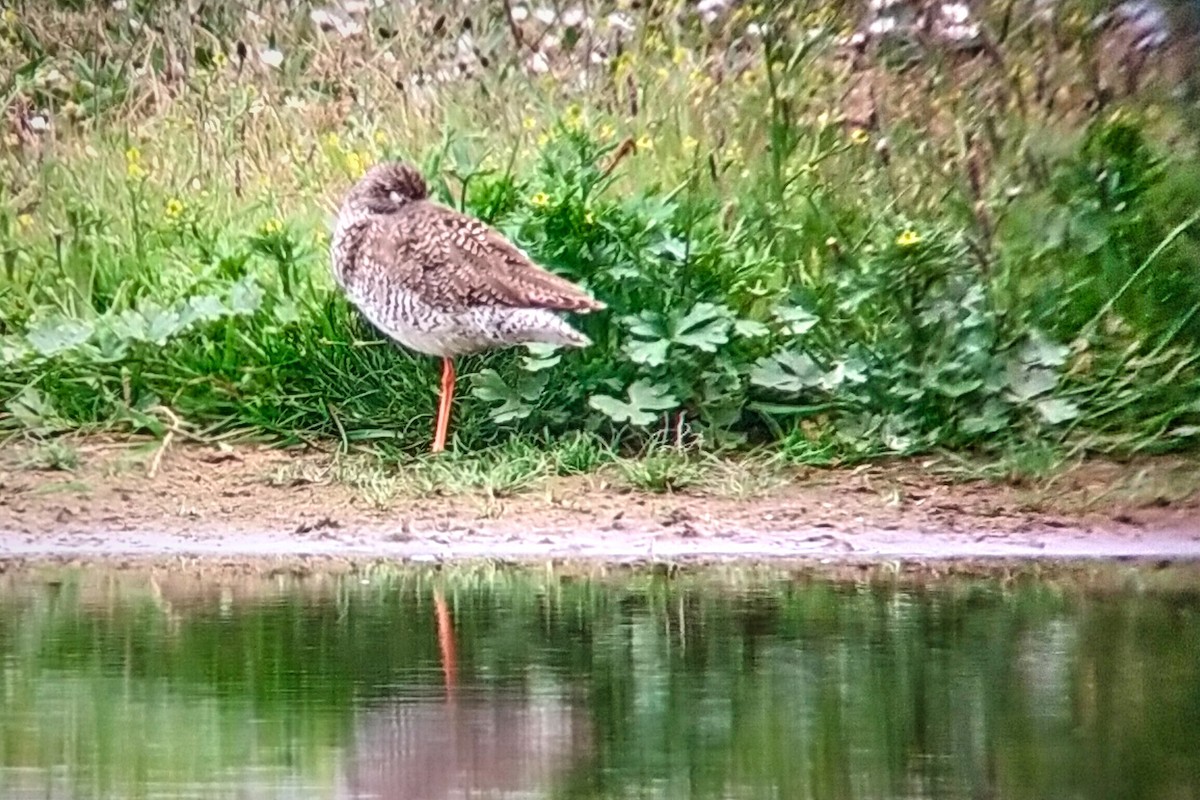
208	504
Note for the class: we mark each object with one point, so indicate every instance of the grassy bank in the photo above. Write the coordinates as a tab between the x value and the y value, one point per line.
830	253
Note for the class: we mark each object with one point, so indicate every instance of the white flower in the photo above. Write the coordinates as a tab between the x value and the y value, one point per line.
520	13
538	64
620	21
545	15
881	26
328	20
271	57
955	13
572	16
39	123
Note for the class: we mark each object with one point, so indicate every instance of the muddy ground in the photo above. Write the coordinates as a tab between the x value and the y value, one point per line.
252	501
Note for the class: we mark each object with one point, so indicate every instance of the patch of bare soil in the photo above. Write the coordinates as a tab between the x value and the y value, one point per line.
255	501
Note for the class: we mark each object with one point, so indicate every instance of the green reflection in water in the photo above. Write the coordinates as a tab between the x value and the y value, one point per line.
127	686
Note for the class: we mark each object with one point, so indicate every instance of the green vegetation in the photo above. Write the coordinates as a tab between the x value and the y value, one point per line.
970	255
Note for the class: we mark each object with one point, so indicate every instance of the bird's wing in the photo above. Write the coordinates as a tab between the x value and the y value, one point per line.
454	261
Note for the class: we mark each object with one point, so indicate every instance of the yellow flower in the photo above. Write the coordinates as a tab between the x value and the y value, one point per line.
380	138
662	73
606	132
332	140
540	200
133	164
10	16
859	136
588	218
690	144
219	60
174	208
24	221
320	238
529	123
271	226
908	238
543	139
644	142
679	55
356	165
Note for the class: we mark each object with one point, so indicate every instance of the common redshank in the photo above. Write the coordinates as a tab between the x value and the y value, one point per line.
443	283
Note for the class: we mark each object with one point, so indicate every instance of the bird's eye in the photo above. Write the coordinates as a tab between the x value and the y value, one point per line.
394	196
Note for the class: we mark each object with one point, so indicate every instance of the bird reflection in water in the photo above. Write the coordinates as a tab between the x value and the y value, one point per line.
474	742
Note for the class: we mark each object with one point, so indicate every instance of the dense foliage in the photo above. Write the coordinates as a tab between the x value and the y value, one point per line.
987	256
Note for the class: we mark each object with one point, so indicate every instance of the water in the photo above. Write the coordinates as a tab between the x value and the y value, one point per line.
495	684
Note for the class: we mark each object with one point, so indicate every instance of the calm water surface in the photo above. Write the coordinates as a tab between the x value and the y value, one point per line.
494	684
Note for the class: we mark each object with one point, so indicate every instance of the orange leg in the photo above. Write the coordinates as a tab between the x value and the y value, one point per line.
445	640
444	403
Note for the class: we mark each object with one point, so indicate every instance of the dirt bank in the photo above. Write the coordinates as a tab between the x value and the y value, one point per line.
252	501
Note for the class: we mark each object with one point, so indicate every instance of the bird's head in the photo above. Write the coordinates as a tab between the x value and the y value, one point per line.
388	187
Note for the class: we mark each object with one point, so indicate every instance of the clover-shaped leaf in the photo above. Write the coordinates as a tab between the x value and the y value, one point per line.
704	328
246	296
1055	411
645	398
57	334
1041	352
161	324
541	356
786	371
516	402
203	308
796	319
750	328
652	353
1027	382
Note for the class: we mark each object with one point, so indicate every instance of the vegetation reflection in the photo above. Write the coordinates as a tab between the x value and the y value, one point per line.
405	684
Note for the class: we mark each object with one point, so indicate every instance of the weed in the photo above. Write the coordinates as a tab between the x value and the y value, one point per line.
661	469
53	455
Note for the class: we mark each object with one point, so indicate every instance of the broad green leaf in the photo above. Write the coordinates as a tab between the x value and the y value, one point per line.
516	402
34	410
705	327
245	297
541	356
750	328
1026	382
57	334
992	418
203	308
842	372
651	353
647	325
287	311
1039	351
958	388
796	320
672	247
161	324
786	371
1056	411
644	399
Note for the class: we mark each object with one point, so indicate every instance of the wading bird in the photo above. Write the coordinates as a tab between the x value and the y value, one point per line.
442	283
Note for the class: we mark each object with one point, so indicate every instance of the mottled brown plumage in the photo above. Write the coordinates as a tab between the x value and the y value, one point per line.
441	282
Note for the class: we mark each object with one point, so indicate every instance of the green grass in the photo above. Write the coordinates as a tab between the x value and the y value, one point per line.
978	270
